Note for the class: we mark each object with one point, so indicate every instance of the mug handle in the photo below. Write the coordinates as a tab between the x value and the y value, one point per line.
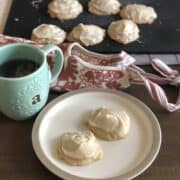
58	60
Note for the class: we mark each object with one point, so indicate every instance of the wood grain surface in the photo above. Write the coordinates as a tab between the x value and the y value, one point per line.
19	162
4	11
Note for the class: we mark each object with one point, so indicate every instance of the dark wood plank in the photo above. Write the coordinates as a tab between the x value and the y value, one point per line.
4	12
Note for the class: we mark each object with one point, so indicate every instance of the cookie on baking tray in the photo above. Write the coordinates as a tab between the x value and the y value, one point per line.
139	13
65	9
123	31
48	33
79	148
104	7
87	35
109	124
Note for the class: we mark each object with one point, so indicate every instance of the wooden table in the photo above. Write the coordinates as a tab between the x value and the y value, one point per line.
5	6
19	162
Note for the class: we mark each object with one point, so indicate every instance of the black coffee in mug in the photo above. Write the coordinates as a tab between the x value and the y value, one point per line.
18	68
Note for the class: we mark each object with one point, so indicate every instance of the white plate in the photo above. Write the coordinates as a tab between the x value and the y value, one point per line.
123	159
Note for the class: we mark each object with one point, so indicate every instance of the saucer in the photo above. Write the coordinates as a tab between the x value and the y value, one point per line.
123	159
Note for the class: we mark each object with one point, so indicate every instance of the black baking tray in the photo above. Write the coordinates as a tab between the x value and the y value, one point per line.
163	36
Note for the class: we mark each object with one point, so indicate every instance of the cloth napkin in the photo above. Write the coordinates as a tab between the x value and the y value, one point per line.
86	69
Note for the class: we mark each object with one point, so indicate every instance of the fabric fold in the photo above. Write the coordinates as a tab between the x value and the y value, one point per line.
86	69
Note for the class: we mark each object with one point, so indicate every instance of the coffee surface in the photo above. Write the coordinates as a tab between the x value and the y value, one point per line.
18	68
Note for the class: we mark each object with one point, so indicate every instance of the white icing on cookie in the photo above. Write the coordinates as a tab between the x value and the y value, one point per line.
109	122
139	13
65	9
48	33
87	35
79	148
123	31
104	7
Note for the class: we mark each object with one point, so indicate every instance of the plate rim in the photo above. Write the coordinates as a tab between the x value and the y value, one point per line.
139	169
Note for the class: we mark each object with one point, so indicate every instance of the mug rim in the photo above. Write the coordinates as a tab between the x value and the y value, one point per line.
28	75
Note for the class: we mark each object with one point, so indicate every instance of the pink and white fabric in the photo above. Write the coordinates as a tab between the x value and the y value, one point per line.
86	69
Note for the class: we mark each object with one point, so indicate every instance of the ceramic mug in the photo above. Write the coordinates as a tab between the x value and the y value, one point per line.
22	97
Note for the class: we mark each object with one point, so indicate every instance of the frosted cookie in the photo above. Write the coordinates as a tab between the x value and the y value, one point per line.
48	33
104	7
109	124
65	9
123	31
87	35
79	148
139	13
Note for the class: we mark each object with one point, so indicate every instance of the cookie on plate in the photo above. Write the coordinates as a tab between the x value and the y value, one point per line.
79	148
48	33
109	124
65	9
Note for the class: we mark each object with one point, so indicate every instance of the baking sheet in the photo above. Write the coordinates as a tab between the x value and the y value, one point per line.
163	36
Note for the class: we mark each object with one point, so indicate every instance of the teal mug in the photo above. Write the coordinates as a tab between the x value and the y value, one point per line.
23	96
